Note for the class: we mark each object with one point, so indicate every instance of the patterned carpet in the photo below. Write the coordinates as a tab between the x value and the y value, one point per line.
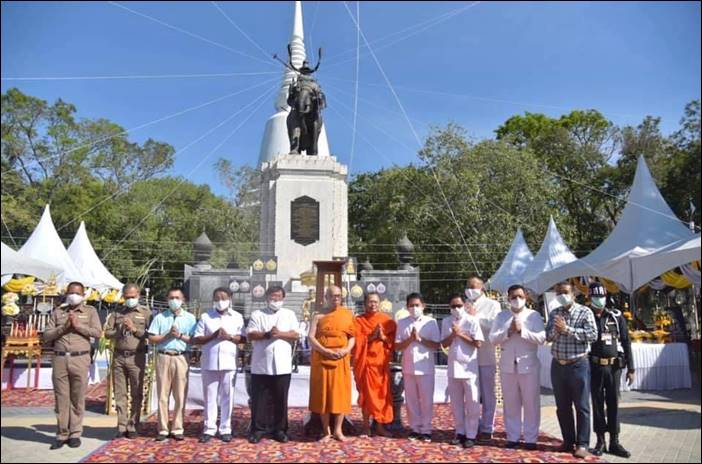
95	397
306	449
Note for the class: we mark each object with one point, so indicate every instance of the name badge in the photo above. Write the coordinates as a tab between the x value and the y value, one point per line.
607	339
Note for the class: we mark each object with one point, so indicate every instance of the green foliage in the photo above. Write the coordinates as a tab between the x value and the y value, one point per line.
141	226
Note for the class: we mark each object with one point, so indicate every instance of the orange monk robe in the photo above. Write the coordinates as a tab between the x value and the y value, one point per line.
372	365
330	379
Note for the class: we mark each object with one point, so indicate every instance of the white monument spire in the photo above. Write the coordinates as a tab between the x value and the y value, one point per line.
275	138
297	44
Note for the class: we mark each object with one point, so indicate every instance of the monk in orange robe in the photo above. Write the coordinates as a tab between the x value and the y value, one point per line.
331	337
375	339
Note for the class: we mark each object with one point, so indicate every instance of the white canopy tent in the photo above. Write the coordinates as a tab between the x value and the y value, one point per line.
15	263
553	254
83	255
646	225
646	268
45	245
513	266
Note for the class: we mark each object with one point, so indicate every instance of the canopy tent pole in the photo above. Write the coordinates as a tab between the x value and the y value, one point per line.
694	309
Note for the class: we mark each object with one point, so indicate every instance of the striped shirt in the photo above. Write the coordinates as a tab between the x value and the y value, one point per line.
581	331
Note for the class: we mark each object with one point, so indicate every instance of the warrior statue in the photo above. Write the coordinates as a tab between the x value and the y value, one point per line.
306	102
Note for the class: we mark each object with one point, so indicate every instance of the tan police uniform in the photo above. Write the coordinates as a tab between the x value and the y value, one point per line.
128	363
71	365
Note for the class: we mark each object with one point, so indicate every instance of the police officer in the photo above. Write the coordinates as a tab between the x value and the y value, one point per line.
127	327
608	356
70	328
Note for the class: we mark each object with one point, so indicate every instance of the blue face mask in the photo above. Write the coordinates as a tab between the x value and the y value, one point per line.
599	302
174	304
565	299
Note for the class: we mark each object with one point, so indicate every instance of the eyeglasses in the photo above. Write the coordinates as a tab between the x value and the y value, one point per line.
336	296
456	306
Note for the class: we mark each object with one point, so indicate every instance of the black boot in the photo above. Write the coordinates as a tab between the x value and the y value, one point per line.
599	446
616	449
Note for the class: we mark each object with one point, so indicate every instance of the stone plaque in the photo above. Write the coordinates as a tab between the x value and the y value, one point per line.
304	220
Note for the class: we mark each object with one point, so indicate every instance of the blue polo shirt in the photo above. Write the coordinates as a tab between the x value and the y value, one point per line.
162	323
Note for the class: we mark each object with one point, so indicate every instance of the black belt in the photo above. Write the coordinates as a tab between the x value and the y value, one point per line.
71	353
171	353
129	353
603	361
568	362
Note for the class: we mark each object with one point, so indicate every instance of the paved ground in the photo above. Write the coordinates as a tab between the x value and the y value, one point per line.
656	427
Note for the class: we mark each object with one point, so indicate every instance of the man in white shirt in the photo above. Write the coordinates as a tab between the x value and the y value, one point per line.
272	331
486	310
418	338
461	334
219	331
519	332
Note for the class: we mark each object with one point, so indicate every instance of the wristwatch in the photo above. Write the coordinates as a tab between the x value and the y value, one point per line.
268	335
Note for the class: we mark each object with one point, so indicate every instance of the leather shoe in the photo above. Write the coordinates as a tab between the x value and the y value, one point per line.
57	444
226	438
280	437
254	438
73	442
204	438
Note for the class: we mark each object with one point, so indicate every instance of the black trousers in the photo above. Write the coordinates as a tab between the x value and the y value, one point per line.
605	391
269	403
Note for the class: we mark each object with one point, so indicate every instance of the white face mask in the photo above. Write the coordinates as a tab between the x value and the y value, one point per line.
174	304
599	302
565	299
131	302
221	305
517	304
416	311
275	305
473	293
457	313
74	299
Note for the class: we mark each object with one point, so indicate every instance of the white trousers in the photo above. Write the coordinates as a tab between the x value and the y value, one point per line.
487	395
218	390
465	404
419	399
521	392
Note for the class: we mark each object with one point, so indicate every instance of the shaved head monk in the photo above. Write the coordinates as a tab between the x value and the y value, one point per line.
375	340
332	340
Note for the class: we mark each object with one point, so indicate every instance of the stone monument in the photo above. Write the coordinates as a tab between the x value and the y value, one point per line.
303	190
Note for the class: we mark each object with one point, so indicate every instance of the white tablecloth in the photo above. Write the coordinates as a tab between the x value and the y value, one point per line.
298	395
658	367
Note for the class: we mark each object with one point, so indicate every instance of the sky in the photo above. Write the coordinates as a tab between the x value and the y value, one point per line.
473	63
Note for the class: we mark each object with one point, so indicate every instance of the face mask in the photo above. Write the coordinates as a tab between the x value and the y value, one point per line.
517	303
457	312
175	304
565	299
275	305
599	301
416	311
221	305
473	293
131	302
74	299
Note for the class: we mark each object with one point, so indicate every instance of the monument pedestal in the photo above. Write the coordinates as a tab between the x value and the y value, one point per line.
304	212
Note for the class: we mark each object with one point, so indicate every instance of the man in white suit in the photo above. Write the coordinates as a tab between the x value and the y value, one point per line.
520	332
485	310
